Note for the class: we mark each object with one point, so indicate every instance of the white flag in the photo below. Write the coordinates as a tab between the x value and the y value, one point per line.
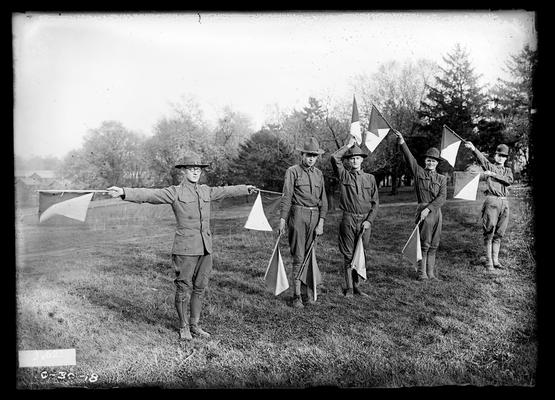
75	208
449	145
466	185
356	132
257	219
359	261
412	250
378	128
275	276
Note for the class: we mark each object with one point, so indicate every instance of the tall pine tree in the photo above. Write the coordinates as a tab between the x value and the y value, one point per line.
511	105
456	100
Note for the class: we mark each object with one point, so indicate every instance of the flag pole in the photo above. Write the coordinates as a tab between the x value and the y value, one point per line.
307	254
454	133
383	117
267	191
72	191
273	252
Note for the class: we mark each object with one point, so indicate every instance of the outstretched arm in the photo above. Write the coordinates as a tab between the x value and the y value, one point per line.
408	155
143	195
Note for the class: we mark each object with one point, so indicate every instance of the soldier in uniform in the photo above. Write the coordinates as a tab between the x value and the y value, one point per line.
192	245
359	201
495	210
303	209
431	193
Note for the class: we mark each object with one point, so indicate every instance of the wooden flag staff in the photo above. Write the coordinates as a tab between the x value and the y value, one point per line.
454	133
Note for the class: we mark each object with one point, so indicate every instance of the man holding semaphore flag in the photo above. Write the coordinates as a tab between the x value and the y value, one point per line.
192	246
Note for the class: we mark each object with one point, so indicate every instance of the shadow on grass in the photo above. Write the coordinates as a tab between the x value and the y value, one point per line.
127	309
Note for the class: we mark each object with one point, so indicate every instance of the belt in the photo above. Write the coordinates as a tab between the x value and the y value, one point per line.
305	207
355	214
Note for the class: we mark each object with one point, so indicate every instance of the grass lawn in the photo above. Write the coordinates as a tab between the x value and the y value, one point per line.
104	287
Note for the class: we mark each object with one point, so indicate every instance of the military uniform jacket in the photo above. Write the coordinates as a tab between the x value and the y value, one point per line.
191	205
359	191
304	187
430	187
495	185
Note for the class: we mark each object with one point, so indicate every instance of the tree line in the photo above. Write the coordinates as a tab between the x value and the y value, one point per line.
417	98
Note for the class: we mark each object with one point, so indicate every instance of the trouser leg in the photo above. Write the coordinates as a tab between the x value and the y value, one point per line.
500	228
431	265
490	216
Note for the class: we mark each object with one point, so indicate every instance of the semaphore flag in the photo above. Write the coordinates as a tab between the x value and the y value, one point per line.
378	128
275	276
412	250
257	219
450	143
69	203
356	132
466	185
358	263
309	274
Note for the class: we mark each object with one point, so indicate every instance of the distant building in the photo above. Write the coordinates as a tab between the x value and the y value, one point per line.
28	182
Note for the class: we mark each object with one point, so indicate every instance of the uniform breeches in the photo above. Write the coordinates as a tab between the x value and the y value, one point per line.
430	229
301	224
191	275
349	229
495	218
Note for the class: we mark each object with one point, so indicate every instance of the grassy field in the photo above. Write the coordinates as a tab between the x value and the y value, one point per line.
104	287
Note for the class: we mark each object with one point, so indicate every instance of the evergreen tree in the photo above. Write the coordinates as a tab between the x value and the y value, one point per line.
262	160
511	108
456	100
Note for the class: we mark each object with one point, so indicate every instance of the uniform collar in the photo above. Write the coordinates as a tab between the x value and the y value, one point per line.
307	169
186	182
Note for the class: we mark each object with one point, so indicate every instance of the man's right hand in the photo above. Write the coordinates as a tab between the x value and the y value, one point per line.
281	229
115	191
401	139
470	146
351	141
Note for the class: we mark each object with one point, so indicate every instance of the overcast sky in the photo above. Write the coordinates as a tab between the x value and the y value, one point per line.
73	71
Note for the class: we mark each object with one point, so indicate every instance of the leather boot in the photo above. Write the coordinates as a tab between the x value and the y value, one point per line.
422	274
495	246
356	281
489	260
431	265
181	306
196	306
307	294
297	301
348	291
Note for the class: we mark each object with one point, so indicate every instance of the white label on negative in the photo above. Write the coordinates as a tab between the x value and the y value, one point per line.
46	358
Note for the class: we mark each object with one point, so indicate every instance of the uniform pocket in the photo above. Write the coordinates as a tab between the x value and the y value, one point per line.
186	197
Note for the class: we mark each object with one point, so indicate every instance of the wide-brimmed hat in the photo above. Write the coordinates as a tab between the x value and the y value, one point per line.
191	161
503	150
311	146
354	150
432	152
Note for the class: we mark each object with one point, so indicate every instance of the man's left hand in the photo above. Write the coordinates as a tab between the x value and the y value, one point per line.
424	213
251	188
366	225
319	229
